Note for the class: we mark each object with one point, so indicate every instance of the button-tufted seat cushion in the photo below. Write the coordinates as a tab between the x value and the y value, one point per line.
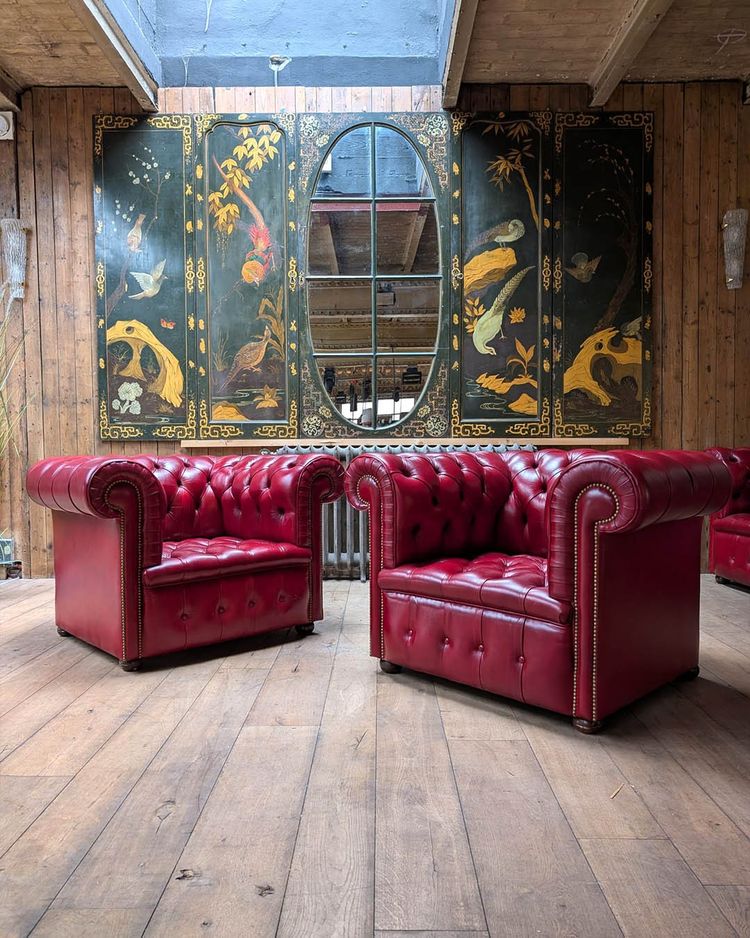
733	524
200	558
155	554
508	583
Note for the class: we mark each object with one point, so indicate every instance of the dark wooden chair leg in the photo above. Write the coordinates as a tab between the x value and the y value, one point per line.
62	632
307	629
131	665
389	667
690	675
589	727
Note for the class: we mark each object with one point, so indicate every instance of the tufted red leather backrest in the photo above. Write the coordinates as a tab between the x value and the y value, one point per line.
462	504
242	496
738	463
522	527
442	504
267	499
194	486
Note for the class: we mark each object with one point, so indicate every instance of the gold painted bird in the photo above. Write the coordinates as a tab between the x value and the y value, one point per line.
504	233
135	235
249	356
583	269
632	329
150	284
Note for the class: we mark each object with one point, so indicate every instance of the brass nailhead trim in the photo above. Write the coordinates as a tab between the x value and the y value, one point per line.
597	524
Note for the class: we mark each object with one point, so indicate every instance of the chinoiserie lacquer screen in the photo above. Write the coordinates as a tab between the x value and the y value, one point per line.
246	312
505	322
339	275
144	246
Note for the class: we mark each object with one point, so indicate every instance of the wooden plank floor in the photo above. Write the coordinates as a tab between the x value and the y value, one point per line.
285	787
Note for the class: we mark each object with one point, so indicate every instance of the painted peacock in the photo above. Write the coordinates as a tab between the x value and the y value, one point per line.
490	323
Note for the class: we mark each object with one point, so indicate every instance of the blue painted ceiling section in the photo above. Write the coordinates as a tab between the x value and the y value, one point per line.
330	42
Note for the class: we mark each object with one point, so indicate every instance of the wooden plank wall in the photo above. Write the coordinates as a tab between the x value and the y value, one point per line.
701	329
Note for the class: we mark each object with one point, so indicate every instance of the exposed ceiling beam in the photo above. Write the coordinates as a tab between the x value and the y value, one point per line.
116	48
462	27
9	89
642	19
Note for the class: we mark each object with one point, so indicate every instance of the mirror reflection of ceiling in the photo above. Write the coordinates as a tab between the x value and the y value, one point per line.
374	306
341	315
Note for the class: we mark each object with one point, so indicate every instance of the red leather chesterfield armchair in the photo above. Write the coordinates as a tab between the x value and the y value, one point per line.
729	536
154	555
565	579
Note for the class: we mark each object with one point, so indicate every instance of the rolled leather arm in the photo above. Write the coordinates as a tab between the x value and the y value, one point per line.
425	506
626	491
104	487
737	462
281	493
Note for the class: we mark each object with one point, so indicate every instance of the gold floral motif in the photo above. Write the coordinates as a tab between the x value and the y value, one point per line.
546	272
100	279
456	272
647	275
292	274
638	119
291	194
200	275
278	431
191	322
459	119
209	431
313	140
557	275
543	120
287	122
184	432
189	275
108	431
564	120
431	131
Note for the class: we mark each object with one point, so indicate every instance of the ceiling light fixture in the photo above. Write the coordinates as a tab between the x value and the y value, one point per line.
277	63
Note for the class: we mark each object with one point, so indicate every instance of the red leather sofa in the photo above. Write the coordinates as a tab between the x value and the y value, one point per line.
729	534
155	555
565	579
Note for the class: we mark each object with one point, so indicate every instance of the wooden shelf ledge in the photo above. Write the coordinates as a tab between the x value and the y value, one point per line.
594	441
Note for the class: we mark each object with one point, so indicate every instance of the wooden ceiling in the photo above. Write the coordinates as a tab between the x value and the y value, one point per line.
67	42
598	42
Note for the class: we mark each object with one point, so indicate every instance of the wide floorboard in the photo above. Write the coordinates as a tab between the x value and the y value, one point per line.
283	786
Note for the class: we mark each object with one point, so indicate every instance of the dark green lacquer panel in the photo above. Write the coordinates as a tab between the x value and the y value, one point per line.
246	276
602	274
504	322
143	247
